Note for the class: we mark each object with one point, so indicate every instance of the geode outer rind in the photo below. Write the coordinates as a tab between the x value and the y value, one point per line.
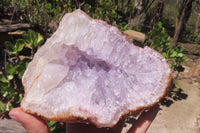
89	71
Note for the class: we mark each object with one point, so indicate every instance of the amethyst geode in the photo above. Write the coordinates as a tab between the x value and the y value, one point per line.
88	70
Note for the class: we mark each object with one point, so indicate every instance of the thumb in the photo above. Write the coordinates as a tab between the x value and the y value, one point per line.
31	123
144	121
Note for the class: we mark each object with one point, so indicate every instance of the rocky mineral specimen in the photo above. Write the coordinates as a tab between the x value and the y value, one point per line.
89	71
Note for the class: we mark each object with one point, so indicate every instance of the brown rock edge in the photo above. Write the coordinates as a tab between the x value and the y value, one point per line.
134	112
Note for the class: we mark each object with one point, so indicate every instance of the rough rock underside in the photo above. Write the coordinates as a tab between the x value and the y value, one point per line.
88	70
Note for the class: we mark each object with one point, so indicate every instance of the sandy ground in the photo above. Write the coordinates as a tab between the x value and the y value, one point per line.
11	126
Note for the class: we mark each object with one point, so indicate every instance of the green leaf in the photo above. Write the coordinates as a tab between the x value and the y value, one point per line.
52	128
10	90
5	94
25	61
4	86
180	55
173	64
20	98
10	106
173	54
21	69
19	45
10	69
2	108
3	79
10	77
29	37
51	123
164	55
9	45
15	49
12	95
33	39
40	40
48	6
22	5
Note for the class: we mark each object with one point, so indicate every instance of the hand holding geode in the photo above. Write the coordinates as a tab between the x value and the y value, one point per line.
88	70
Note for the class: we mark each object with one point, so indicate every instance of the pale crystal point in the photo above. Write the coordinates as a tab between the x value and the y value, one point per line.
89	70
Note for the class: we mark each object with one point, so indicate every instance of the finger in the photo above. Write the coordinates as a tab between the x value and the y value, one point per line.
83	128
90	128
119	126
31	123
144	121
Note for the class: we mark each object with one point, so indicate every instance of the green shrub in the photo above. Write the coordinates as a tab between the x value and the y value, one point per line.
136	28
47	13
41	12
10	78
190	35
106	11
158	39
198	40
167	23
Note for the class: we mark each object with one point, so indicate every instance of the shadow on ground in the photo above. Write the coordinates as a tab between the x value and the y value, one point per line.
176	94
129	120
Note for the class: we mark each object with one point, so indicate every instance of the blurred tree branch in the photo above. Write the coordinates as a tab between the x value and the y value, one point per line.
185	8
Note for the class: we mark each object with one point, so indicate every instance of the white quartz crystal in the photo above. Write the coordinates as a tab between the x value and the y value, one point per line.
89	70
